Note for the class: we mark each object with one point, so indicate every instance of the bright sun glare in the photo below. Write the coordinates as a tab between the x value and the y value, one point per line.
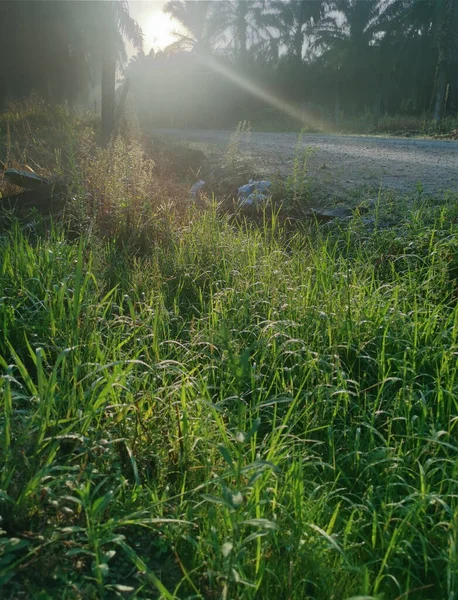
158	30
157	26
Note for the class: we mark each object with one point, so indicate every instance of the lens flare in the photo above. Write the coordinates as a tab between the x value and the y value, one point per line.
302	115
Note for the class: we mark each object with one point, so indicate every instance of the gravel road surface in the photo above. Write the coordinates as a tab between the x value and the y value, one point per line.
343	162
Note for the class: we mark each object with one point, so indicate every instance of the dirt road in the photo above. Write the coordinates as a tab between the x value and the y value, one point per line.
343	162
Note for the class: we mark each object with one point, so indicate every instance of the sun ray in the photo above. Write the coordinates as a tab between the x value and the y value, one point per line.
303	115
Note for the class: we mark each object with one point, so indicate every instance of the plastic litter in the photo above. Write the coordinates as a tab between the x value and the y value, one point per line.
262	186
253	186
252	193
246	190
197	187
255	198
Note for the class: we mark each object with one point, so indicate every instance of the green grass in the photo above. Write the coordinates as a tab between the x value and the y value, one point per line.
238	412
193	408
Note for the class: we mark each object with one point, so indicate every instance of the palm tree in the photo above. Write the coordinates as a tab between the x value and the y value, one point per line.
427	29
348	40
447	49
240	18
56	48
42	50
294	20
349	31
114	24
198	19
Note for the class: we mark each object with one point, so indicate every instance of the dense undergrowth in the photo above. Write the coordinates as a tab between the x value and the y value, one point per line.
318	121
402	124
224	410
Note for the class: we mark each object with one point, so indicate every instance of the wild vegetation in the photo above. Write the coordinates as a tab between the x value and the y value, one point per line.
195	408
198	401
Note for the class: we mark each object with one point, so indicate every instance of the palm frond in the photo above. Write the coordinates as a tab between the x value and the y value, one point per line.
127	26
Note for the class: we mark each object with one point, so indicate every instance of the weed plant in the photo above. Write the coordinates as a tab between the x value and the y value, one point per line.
241	135
296	184
229	411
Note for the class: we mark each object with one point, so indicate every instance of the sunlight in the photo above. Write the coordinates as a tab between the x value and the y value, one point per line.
301	114
157	26
158	30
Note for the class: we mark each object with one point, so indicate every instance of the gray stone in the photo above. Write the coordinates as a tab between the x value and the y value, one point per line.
26	180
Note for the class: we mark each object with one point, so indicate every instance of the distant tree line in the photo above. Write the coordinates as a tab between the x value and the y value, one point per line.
333	56
238	58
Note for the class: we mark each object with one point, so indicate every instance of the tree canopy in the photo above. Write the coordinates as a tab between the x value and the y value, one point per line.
346	56
395	56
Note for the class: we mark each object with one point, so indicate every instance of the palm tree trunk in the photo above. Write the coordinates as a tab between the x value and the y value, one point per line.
243	44
121	107
5	30
440	93
108	92
378	98
3	92
445	46
298	42
242	11
337	103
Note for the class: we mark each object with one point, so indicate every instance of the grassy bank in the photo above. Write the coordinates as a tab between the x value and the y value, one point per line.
227	411
320	121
